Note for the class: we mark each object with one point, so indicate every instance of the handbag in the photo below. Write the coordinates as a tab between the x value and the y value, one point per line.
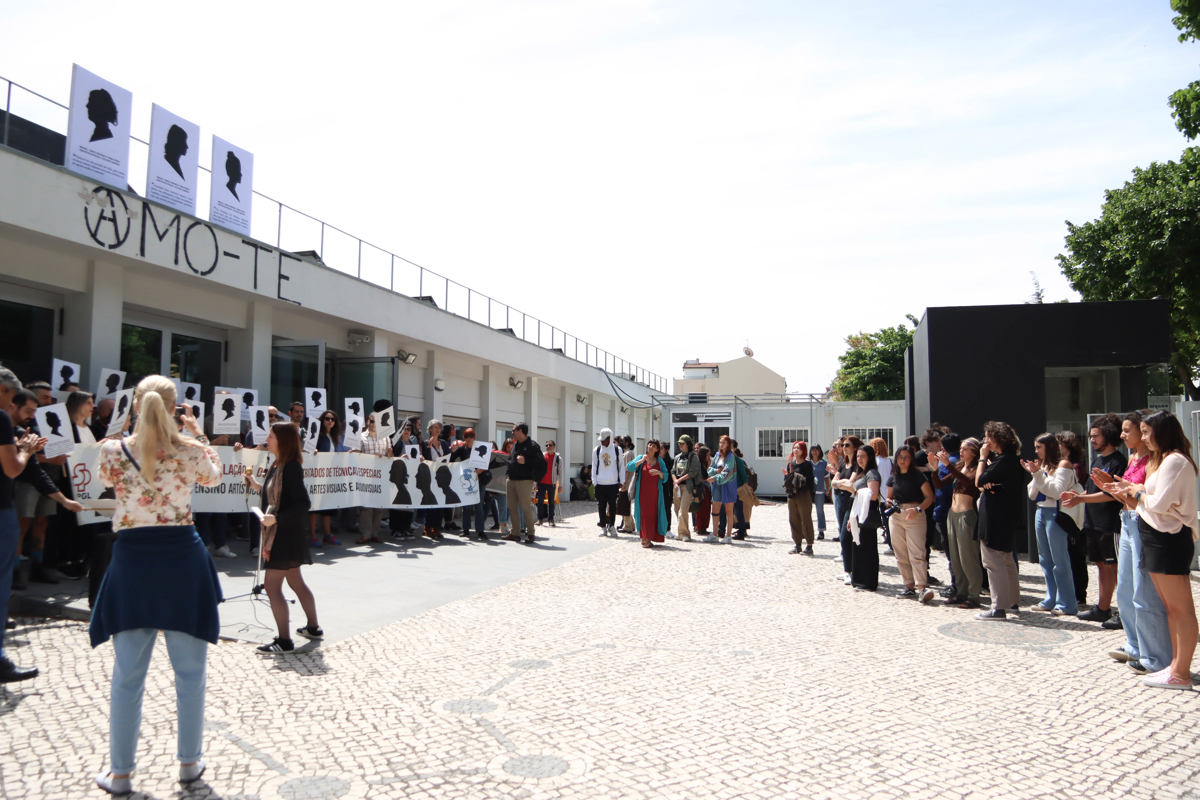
623	506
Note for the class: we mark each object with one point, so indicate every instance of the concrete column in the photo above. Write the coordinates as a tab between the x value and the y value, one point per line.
381	344
487	406
250	350
566	399
531	405
92	323
433	398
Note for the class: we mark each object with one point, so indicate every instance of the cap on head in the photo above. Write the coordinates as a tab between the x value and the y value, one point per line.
685	439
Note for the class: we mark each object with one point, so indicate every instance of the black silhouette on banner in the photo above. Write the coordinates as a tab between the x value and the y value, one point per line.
102	112
443	482
399	478
424	481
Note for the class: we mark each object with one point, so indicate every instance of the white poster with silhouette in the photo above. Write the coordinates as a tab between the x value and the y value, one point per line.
232	186
186	392
310	432
197	410
385	422
54	423
122	409
260	425
314	401
354	409
227	414
249	400
352	433
111	382
174	163
98	129
63	373
481	454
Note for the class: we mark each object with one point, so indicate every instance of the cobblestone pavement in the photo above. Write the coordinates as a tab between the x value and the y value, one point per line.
687	671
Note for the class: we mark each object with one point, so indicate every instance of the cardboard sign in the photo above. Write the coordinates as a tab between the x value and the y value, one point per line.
98	128
62	373
122	409
54	423
111	382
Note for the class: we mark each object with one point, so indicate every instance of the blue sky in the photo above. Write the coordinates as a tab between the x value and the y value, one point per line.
668	180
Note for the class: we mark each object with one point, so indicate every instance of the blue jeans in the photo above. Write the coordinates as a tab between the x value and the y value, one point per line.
501	506
819	504
843	509
1142	613
9	530
1055	559
478	512
133	649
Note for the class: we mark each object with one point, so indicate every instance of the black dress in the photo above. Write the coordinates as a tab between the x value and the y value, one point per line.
290	548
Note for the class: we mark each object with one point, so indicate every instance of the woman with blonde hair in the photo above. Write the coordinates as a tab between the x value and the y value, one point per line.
161	576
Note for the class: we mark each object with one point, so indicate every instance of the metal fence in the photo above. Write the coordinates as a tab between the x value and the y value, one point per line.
294	231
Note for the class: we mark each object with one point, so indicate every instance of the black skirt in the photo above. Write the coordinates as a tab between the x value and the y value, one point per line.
290	548
1166	553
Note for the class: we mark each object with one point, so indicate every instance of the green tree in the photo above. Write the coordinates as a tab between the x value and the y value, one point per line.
1146	244
1185	103
872	368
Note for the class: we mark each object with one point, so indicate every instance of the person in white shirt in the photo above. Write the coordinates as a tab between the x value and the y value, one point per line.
607	478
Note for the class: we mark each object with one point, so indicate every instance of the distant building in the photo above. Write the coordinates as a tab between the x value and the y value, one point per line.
743	376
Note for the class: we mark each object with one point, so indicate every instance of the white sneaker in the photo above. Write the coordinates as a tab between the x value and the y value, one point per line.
604	530
224	552
711	538
847	579
727	540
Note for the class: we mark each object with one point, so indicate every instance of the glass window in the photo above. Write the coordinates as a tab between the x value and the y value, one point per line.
141	352
867	434
777	442
195	360
26	340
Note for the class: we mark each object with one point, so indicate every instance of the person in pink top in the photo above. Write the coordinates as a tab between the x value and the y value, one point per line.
1166	507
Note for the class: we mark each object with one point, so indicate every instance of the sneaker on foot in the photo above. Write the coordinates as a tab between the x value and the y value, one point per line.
309	632
1120	654
1165	680
331	540
1097	614
907	593
1113	623
848	580
117	786
808	551
927	595
224	552
191	772
994	614
796	550
727	540
277	645
1137	666
711	538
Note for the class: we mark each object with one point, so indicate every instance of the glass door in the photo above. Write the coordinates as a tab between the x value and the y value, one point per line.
369	378
295	365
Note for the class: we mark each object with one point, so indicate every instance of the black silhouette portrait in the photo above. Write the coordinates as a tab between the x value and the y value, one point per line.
67	373
248	398
189	393
355	409
482	450
260	420
424	483
443	480
112	383
399	478
122	405
175	148
233	169
354	426
414	451
102	112
318	401
314	429
386	420
198	412
228	405
54	422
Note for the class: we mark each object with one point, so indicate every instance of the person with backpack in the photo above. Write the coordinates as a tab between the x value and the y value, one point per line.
550	485
687	478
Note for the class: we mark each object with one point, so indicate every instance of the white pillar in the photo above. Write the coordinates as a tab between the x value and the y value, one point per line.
250	351
92	323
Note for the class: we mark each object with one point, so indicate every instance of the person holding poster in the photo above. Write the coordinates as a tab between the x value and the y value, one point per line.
328	440
285	505
152	474
369	519
15	453
479	510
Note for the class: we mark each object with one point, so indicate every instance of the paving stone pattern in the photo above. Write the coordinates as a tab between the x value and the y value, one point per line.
686	671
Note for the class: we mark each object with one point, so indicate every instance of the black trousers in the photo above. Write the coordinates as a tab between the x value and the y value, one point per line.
606	500
865	571
545	501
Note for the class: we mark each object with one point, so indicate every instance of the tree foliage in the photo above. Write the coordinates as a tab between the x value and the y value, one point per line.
1185	103
1146	244
872	368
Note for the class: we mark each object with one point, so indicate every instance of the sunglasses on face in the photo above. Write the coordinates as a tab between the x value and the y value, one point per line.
328	419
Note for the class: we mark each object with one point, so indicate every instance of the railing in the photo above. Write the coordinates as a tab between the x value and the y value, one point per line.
294	231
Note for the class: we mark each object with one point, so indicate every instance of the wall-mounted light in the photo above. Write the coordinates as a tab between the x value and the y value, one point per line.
356	338
516	383
406	357
439	385
624	409
581	399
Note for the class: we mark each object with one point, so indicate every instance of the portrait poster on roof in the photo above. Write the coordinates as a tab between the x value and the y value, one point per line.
174	160
232	186
98	129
